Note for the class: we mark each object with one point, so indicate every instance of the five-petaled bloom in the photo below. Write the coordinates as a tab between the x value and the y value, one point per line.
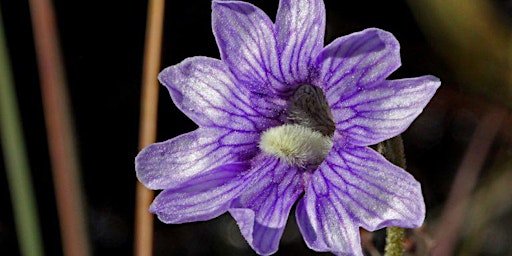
283	119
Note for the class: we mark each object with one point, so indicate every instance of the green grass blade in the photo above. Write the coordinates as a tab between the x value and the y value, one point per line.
17	167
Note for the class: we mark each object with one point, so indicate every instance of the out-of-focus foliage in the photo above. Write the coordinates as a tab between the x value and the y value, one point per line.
475	42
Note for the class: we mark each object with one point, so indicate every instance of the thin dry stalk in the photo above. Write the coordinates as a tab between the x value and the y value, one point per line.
148	119
60	132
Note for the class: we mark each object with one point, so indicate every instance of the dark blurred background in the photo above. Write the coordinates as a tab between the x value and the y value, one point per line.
102	44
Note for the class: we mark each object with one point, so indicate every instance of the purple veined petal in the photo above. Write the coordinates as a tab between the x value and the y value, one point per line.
206	91
373	192
355	186
246	40
325	225
167	164
262	210
383	110
354	61
205	196
300	27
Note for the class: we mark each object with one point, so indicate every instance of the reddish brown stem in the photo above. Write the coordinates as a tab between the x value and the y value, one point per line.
61	139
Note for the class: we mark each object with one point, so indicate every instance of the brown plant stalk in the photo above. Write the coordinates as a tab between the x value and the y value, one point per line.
148	119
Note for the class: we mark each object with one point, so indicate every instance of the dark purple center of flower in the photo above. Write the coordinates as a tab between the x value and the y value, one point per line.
308	107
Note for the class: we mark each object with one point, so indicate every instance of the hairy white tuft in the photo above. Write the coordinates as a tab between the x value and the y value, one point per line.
296	144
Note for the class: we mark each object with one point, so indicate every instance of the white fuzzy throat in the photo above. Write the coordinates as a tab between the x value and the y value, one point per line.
296	144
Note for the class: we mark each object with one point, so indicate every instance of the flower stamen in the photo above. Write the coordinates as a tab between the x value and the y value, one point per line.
296	144
307	138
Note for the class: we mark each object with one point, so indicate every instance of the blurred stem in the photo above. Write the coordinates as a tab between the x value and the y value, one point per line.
17	167
60	131
457	204
393	150
489	202
148	119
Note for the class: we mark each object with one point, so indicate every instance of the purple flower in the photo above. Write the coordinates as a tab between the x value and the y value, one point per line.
283	119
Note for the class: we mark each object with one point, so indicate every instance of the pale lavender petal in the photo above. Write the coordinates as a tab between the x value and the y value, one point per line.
353	187
205	196
246	40
261	211
373	192
300	27
325	225
382	111
206	91
352	62
167	164
264	240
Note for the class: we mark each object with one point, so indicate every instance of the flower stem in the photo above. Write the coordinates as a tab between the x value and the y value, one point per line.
15	155
393	150
394	241
60	131
154	28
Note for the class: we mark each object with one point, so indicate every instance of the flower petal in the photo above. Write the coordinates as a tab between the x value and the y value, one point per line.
355	186
326	226
355	61
167	164
300	27
374	192
263	240
383	110
205	90
204	197
245	36
262	210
